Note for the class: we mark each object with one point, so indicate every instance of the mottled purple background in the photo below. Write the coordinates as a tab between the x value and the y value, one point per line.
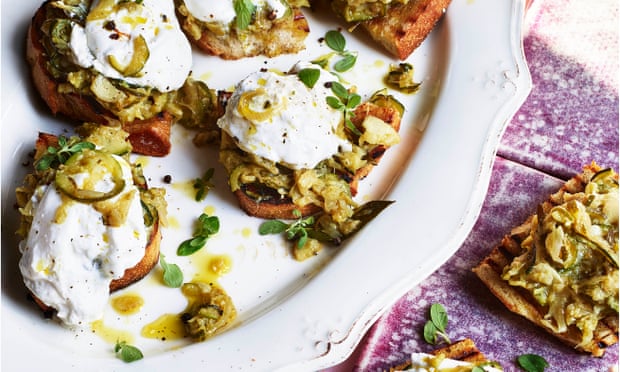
569	119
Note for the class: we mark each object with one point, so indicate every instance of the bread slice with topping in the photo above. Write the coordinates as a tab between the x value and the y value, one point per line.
559	269
87	95
464	351
262	200
268	32
29	198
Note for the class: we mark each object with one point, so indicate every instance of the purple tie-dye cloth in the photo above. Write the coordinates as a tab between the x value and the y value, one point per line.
569	119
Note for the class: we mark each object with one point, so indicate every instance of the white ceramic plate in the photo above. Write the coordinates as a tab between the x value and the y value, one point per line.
296	316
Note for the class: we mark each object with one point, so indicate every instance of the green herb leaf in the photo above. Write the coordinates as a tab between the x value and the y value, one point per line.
346	63
127	353
272	227
353	101
203	185
309	76
207	227
334	102
439	317
437	324
532	362
244	10
173	276
340	91
55	156
430	332
297	230
345	102
335	40
477	369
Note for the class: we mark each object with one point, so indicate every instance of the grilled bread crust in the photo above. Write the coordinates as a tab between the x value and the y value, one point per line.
281	37
148	137
283	208
464	350
520	301
405	27
131	275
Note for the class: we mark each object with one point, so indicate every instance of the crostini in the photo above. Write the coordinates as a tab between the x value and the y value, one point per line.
234	29
293	150
462	356
89	223
117	63
559	269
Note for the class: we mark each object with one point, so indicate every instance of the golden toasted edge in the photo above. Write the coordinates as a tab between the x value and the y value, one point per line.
284	37
284	209
464	350
405	27
148	137
131	275
519	300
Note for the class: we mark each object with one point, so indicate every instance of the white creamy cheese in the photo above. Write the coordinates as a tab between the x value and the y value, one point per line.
223	13
69	262
114	36
421	362
279	118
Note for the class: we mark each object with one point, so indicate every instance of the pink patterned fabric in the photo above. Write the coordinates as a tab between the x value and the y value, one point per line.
570	118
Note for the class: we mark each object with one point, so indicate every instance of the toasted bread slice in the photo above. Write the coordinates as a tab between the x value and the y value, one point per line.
405	27
261	201
464	350
150	136
271	38
131	275
521	301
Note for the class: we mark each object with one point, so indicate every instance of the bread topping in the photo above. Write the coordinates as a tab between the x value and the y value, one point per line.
75	249
222	12
570	259
421	362
138	42
277	117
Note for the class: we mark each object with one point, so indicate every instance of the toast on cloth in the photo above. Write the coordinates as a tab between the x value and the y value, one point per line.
464	351
560	268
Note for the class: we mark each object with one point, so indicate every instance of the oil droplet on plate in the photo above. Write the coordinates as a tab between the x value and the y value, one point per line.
142	160
246	232
166	327
173	222
110	335
209	210
127	304
186	187
210	267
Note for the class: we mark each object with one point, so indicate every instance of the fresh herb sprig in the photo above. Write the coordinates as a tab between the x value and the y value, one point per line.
437	324
344	101
244	11
297	230
55	156
207	227
173	276
203	184
127	353
532	362
309	76
337	43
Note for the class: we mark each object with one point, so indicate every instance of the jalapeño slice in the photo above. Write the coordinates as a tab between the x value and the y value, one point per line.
91	166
